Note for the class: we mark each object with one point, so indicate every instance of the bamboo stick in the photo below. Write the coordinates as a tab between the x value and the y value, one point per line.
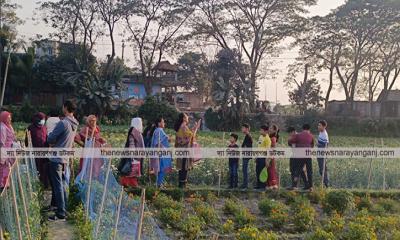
103	199
90	179
220	169
118	212
28	228
14	198
141	213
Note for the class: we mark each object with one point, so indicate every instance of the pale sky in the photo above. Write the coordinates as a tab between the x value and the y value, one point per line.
268	89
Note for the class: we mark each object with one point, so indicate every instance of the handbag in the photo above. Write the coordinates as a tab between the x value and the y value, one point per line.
125	166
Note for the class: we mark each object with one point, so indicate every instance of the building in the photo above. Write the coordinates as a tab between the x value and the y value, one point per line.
386	106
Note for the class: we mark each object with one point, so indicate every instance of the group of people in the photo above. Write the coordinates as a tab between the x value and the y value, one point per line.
300	168
62	132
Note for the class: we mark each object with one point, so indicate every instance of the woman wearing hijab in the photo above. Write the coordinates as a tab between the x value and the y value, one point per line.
91	129
184	139
7	138
160	140
134	140
38	133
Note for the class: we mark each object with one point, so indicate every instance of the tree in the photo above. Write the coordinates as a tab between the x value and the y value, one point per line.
255	27
321	48
111	13
154	27
194	73
361	22
306	94
230	93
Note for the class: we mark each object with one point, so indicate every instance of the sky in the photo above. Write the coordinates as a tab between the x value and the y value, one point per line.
269	89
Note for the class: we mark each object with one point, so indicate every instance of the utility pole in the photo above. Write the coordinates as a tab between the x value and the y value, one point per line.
123	49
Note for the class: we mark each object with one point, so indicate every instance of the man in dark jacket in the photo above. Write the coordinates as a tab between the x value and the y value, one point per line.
62	136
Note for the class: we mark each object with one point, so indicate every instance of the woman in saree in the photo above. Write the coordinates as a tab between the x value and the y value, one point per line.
134	140
160	140
7	139
184	139
273	178
38	133
91	129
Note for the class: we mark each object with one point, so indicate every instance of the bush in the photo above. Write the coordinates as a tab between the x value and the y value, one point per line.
339	201
317	196
205	211
252	233
152	109
230	207
276	212
303	214
320	234
170	217
191	227
163	201
242	215
228	226
357	231
335	224
363	203
389	205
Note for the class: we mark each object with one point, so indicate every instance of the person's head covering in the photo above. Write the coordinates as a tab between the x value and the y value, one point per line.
137	124
90	118
38	117
3	118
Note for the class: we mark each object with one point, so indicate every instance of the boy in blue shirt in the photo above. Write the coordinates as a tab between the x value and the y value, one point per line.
233	162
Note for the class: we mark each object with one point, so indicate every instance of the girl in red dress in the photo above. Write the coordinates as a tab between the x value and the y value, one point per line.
273	178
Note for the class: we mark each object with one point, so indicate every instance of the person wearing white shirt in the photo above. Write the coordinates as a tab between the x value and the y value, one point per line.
323	141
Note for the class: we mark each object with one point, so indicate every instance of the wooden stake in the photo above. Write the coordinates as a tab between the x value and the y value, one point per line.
28	228
102	199
220	168
14	198
28	175
118	212
370	170
384	170
90	180
141	214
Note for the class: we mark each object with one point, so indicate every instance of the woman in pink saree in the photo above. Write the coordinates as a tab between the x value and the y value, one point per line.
7	138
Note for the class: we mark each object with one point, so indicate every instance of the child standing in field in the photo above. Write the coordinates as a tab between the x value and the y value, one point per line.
323	141
233	162
247	143
264	142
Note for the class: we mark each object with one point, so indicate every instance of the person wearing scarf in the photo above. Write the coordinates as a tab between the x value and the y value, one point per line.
91	129
160	140
134	141
184	139
38	132
7	138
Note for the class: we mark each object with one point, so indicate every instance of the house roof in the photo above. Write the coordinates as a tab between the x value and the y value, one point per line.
391	96
166	66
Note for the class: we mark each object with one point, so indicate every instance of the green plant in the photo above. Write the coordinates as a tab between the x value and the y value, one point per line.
153	108
303	214
191	226
243	217
252	233
83	227
228	226
320	234
162	201
170	217
230	207
358	231
335	224
363	203
317	196
276	212
389	205
205	211
176	193
339	201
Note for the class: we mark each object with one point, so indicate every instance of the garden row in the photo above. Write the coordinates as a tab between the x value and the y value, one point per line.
321	215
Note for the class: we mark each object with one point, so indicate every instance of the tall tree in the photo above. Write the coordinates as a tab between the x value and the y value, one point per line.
154	27
111	13
255	27
195	74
